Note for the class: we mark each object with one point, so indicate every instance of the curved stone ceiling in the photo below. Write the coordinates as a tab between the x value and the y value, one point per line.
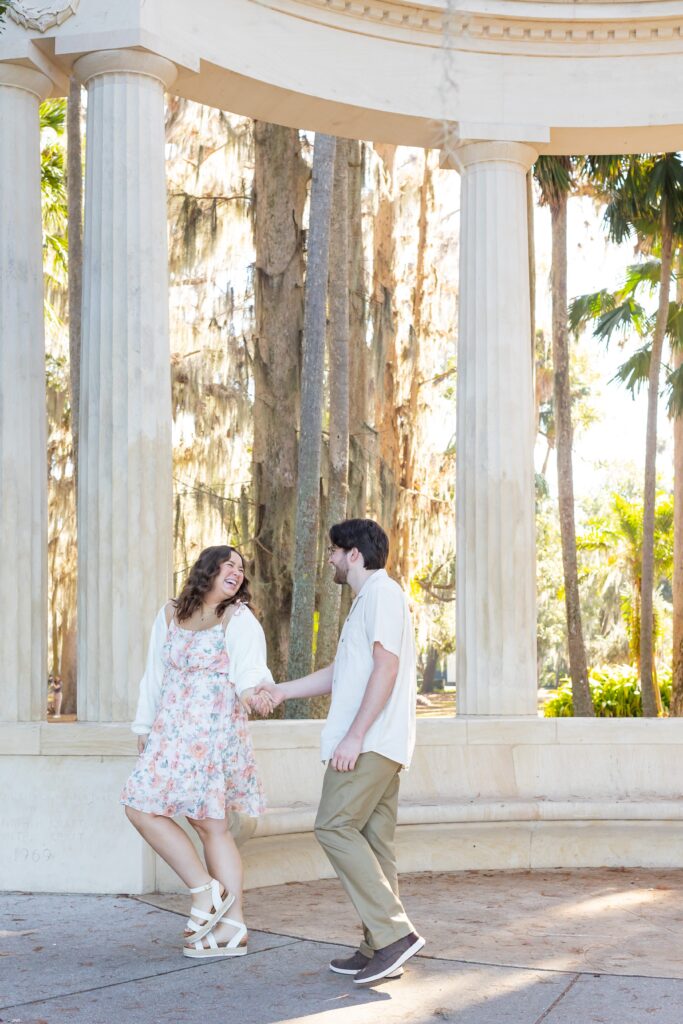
564	76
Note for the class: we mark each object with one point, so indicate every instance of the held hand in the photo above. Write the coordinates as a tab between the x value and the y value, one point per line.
271	691
142	741
257	702
345	756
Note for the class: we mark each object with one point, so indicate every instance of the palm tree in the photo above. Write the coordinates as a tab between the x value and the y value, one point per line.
619	538
621	312
634	373
554	176
644	197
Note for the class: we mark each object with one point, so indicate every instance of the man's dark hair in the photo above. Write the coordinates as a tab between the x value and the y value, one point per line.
365	535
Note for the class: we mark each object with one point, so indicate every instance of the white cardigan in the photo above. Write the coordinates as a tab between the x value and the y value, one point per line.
245	643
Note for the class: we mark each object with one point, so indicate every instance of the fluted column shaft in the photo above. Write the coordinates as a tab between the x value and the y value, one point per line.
496	586
125	484
23	466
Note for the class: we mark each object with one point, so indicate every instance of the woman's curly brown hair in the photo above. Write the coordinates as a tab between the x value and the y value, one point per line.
201	579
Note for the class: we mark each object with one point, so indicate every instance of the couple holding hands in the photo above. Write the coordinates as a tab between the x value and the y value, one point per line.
206	666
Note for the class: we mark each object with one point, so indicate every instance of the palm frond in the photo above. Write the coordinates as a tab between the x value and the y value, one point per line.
674	325
674	387
53	116
628	316
646	272
635	371
58	249
554	177
665	180
585	308
638	190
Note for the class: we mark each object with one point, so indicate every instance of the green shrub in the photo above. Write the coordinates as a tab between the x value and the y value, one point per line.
615	690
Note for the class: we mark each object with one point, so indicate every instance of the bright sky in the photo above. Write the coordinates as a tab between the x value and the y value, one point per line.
618	438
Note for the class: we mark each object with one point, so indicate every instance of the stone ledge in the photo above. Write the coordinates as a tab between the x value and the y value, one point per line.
114	739
467	846
300	817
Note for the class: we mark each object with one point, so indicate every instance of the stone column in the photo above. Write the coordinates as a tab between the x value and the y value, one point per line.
495	536
125	485
23	465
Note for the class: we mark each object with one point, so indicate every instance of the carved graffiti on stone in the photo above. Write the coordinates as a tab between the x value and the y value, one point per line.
42	16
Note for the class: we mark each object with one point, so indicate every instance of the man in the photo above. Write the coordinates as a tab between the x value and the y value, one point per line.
368	737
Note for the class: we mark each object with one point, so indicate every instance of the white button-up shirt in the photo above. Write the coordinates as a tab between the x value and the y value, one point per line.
379	614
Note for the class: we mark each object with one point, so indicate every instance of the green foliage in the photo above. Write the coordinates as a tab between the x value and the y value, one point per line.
54	203
615	690
619	313
621	535
589	307
432	591
616	534
674	388
640	192
554	176
551	622
634	373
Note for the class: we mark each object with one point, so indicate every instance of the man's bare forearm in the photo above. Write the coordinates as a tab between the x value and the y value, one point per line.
315	685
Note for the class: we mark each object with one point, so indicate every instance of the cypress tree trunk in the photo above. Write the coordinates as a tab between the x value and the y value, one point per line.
308	493
386	369
280	179
338	361
677	586
429	670
358	470
652	704
410	439
581	695
358	353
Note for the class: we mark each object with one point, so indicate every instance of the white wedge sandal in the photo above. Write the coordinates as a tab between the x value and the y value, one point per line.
219	907
236	946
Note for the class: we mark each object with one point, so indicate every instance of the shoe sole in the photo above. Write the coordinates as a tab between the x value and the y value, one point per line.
209	954
340	970
411	951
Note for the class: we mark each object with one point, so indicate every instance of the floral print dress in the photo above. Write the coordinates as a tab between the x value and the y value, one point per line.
198	760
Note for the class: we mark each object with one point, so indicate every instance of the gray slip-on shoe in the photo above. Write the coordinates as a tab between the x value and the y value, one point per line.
388	960
354	964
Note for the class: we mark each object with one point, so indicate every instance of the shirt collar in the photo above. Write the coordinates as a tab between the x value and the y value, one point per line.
369	581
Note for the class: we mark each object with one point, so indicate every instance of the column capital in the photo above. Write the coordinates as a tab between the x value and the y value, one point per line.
469	153
17	76
132	62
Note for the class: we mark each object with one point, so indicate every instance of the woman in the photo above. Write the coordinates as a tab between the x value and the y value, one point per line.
206	654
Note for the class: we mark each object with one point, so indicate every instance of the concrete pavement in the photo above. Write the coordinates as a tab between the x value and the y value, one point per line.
116	960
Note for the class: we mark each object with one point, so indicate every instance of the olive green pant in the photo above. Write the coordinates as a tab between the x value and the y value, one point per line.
355	826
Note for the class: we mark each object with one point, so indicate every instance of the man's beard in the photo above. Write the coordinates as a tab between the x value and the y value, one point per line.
339	575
